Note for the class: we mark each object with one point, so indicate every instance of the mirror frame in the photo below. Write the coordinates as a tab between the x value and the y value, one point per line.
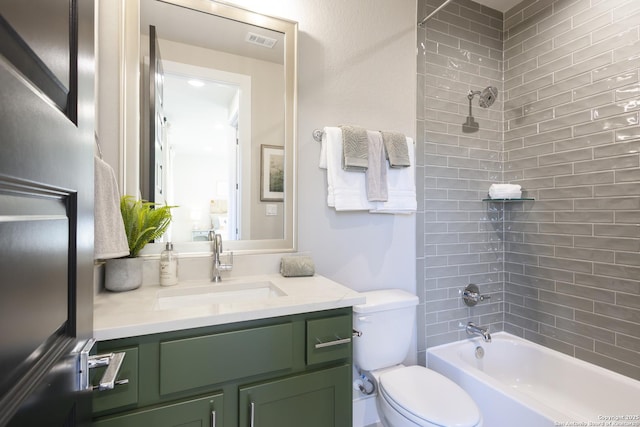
130	120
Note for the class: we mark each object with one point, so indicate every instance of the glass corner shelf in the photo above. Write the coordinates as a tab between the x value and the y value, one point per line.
520	199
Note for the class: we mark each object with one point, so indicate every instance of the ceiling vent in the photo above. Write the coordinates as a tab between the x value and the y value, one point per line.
260	40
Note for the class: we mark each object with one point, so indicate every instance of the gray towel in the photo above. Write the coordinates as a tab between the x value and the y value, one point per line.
376	174
297	266
354	149
395	144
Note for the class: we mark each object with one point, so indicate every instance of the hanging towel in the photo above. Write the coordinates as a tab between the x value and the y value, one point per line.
505	191
402	187
354	149
395	144
110	240
376	173
346	191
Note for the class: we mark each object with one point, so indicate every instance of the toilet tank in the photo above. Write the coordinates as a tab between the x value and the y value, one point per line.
387	321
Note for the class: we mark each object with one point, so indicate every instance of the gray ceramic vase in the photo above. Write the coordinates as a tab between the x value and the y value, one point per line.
123	274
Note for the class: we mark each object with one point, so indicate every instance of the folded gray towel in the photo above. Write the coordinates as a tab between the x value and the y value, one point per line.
395	144
354	149
297	266
376	174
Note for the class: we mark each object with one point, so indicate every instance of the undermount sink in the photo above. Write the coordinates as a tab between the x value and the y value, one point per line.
208	294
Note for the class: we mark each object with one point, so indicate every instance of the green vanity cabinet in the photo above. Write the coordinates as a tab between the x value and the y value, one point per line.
202	412
317	399
290	370
212	359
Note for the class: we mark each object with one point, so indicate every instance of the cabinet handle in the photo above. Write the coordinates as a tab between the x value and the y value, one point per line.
339	341
213	418
253	415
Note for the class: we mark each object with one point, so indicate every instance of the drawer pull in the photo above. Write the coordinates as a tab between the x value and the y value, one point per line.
253	415
213	418
339	341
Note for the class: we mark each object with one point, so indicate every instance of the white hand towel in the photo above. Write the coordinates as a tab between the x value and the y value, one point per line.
110	239
402	188
376	173
345	190
505	191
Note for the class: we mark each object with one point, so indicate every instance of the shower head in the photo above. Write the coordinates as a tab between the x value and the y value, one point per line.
487	97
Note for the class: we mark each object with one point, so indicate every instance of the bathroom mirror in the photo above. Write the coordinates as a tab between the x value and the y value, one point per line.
225	97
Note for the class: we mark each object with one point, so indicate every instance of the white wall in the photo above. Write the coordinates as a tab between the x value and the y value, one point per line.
356	64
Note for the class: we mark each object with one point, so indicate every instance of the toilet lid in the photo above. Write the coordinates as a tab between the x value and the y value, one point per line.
419	392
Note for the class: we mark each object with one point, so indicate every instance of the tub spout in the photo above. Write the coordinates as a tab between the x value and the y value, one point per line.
473	329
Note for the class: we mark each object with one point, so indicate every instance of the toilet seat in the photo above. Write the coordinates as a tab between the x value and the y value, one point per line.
423	395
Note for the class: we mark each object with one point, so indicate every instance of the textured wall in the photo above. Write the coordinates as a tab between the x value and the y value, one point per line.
572	138
567	264
460	49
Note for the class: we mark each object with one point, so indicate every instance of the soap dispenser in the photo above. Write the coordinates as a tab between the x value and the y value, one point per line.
168	266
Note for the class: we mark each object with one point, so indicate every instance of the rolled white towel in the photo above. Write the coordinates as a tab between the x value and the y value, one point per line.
505	191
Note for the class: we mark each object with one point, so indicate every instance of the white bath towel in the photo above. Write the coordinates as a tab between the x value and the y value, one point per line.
110	240
402	188
377	190
505	191
346	191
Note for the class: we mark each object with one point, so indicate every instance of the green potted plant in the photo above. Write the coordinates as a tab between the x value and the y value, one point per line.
143	222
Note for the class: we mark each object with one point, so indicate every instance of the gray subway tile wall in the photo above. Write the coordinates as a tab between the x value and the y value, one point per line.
563	270
462	48
588	319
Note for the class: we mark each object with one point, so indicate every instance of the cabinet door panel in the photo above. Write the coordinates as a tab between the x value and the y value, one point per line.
317	399
329	339
212	359
192	413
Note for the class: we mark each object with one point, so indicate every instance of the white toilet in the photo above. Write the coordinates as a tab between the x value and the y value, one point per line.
408	396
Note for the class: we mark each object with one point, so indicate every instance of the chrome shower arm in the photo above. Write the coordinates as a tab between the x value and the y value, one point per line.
421	23
473	93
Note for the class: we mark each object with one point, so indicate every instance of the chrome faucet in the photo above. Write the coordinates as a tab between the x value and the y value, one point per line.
216	241
473	329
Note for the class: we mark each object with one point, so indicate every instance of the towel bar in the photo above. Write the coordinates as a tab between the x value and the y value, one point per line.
317	135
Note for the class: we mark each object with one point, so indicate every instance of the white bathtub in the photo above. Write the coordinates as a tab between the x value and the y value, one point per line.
520	383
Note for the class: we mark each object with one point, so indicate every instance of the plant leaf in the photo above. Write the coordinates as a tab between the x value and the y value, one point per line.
143	222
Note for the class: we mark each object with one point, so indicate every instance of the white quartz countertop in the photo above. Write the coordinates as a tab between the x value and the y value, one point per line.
142	311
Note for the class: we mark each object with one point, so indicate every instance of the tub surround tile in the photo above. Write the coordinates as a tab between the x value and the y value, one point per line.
565	127
628	369
575	340
630	343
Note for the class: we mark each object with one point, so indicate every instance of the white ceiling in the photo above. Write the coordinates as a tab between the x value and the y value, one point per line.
501	5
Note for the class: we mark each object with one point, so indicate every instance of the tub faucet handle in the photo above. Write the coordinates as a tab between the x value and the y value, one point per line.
471	295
